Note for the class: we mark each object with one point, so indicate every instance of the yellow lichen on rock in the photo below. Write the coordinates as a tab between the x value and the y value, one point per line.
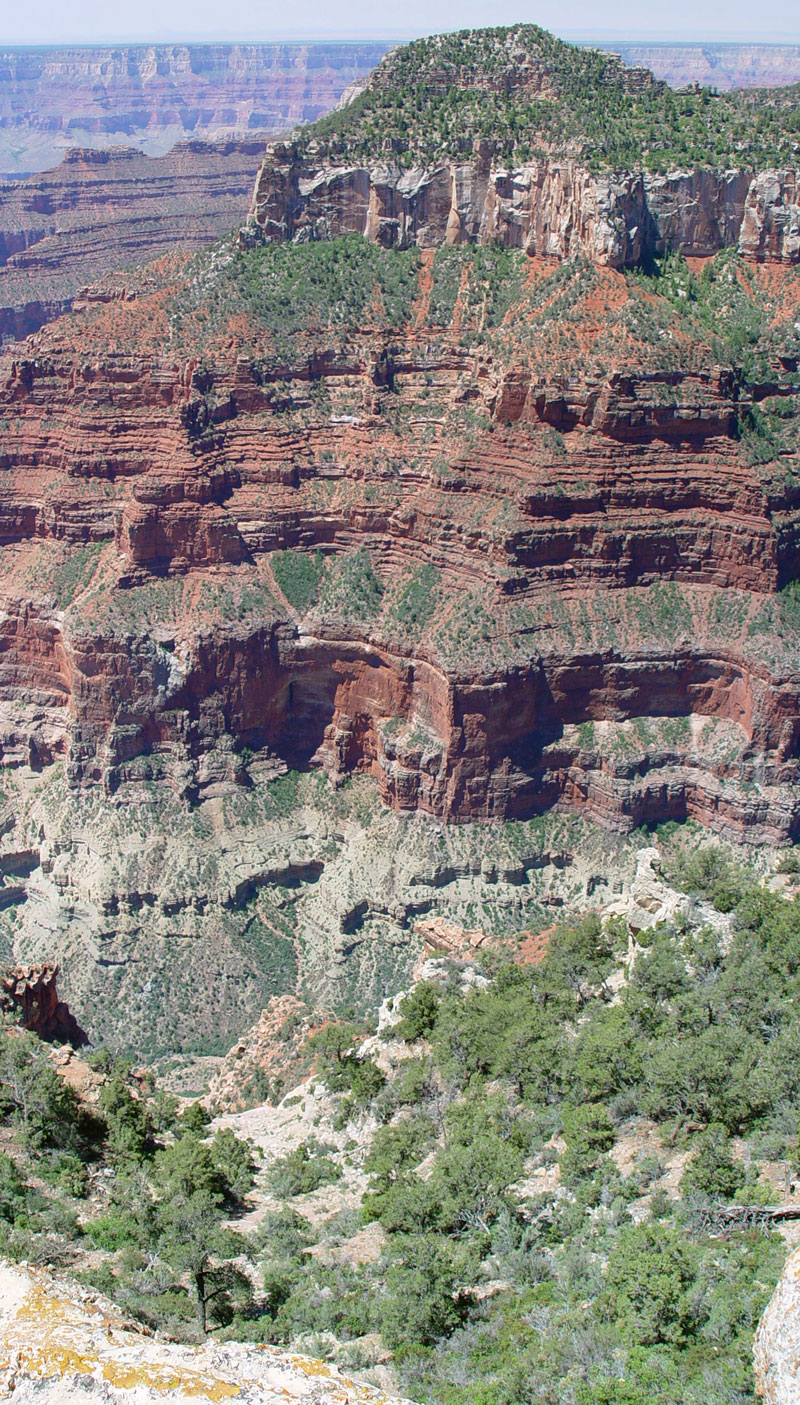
62	1344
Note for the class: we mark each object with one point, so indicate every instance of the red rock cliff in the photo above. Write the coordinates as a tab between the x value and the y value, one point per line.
542	579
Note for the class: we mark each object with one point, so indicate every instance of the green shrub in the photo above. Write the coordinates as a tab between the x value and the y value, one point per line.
301	1171
298	574
126	1119
711	1169
13	1190
649	1286
421	1301
418	1011
589	1134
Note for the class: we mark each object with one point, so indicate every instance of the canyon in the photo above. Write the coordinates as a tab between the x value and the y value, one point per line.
555	556
717	65
410	552
400	746
507	535
151	148
129	185
151	96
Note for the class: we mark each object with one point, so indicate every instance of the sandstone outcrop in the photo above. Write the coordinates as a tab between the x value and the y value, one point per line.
776	1352
63	1344
770	228
441	938
28	995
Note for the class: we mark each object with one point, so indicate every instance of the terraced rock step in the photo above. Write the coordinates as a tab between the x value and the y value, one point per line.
103	210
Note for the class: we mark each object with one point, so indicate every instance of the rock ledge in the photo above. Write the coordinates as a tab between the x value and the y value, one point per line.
62	1344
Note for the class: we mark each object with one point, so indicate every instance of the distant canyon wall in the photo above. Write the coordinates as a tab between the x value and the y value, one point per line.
720	66
103	210
151	96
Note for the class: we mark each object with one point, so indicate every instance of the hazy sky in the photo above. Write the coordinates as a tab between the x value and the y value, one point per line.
87	21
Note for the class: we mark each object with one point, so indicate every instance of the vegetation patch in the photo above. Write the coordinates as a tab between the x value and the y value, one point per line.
528	94
350	587
520	1164
298	574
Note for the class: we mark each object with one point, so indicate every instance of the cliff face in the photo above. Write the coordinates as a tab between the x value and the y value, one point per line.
152	96
102	210
770	227
28	994
503	590
556	209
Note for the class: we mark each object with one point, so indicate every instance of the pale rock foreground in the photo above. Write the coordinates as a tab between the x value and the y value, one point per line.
63	1344
776	1352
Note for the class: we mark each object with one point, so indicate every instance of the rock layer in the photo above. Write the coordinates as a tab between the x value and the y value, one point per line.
163	469
103	210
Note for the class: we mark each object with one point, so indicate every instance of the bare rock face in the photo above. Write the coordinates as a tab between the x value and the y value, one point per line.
776	1353
557	209
441	938
28	994
63	1344
771	226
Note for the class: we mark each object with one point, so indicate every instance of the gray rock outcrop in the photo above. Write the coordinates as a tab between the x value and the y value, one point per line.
776	1353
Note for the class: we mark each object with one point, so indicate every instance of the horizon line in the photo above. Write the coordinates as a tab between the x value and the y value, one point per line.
579	36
